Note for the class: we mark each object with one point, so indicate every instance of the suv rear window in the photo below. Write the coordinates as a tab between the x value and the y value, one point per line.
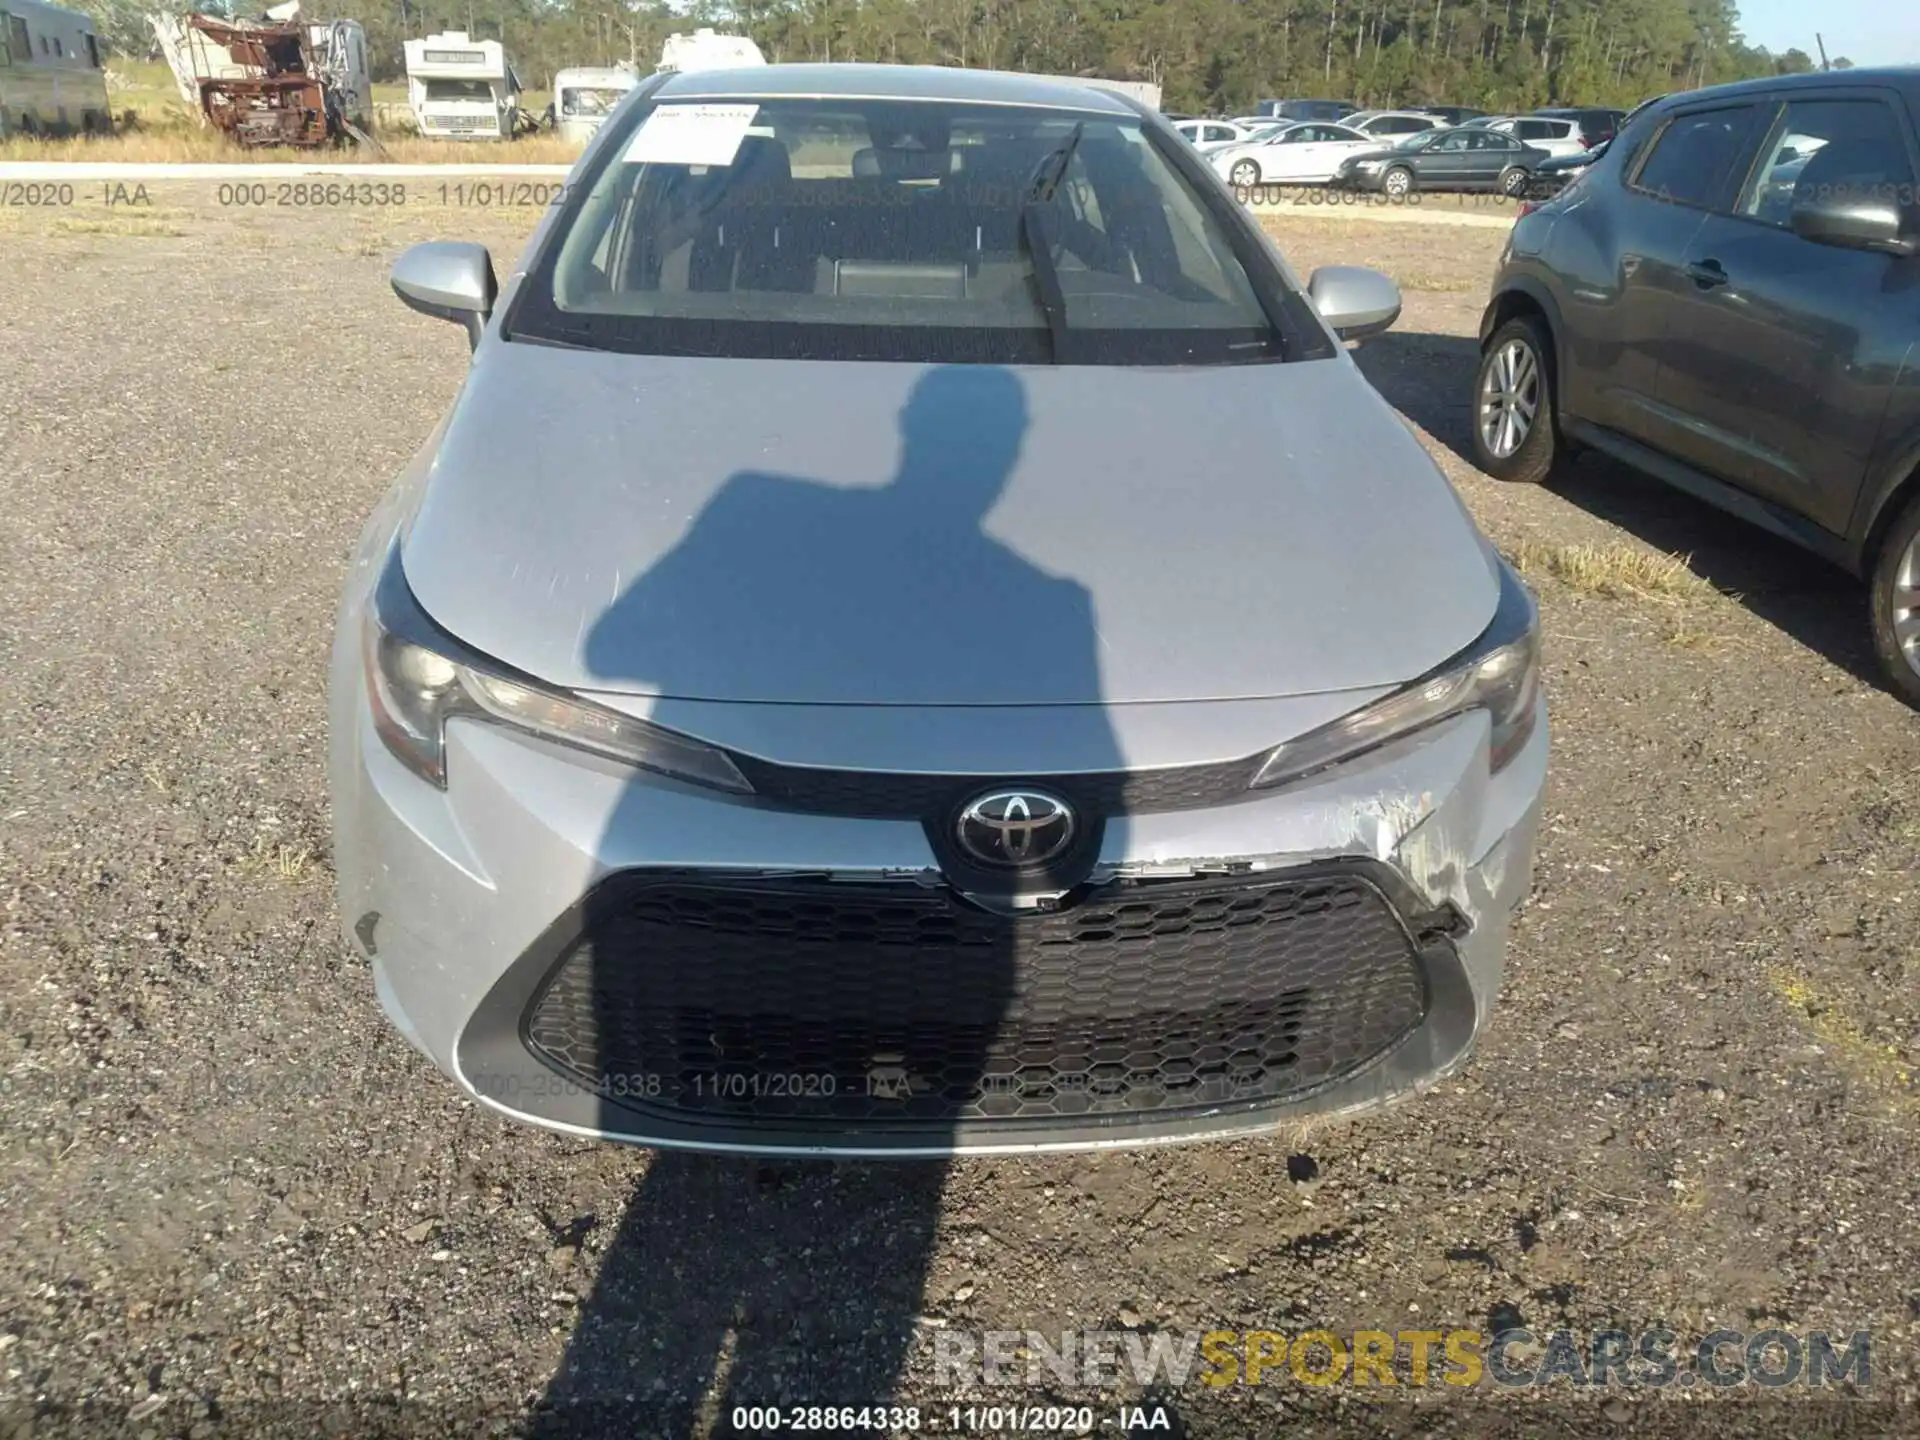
1692	157
847	228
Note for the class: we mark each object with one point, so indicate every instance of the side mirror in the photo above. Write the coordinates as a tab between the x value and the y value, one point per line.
1853	221
1354	301
449	280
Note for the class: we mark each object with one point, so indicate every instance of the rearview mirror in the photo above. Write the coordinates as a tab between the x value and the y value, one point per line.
1354	301
1853	221
449	280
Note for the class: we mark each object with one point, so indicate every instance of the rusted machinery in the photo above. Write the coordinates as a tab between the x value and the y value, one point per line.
272	81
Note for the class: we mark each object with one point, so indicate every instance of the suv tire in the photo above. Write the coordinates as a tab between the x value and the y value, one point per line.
1896	604
1512	416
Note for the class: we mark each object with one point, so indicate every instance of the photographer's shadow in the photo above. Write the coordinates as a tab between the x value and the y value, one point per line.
736	1282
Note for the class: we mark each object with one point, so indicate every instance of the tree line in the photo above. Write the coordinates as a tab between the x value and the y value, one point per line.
1208	56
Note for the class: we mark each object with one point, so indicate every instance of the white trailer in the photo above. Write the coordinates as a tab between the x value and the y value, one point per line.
340	55
705	50
51	80
584	96
461	88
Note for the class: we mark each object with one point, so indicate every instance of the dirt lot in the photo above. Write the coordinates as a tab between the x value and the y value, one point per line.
232	1195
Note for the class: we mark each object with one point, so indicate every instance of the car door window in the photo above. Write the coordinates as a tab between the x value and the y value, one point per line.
1453	143
1829	149
1691	159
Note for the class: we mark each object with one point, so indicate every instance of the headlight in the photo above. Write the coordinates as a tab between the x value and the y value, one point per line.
1498	673
419	677
1368	164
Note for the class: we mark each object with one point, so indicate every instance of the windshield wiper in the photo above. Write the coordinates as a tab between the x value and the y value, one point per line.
1046	278
1039	245
1052	170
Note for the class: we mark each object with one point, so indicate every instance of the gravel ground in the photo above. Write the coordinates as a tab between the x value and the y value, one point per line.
232	1198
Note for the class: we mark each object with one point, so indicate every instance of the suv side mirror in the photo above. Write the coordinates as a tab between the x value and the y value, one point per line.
1858	221
449	280
1354	301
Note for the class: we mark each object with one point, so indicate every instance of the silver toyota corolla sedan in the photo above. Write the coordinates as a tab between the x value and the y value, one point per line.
915	637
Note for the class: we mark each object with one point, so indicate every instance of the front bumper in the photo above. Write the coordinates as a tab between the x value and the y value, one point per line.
472	903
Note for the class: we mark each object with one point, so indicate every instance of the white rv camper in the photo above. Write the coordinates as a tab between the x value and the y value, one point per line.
462	89
51	82
704	50
583	97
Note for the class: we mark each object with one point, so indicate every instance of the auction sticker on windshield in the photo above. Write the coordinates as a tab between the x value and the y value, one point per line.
691	135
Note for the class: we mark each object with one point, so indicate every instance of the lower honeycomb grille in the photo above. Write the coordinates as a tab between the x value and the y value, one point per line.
799	1001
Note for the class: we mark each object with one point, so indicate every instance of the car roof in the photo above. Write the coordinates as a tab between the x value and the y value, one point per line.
1898	77
895	82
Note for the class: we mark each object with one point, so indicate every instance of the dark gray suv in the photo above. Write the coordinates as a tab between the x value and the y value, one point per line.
1729	300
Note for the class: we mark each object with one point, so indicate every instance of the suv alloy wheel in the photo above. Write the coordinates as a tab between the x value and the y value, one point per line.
1513	425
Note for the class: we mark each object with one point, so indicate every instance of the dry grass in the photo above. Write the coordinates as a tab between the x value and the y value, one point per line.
290	863
1681	633
1427	280
134	222
130	227
186	143
1874	1065
1613	571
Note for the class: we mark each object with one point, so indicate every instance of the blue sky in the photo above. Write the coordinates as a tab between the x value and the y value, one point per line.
1867	32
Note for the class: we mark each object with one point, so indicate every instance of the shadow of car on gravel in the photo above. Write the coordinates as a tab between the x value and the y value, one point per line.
1428	378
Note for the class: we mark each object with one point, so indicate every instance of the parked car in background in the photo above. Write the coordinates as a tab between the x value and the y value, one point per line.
1307	109
1215	132
1595	124
1728	299
1557	170
1459	158
1454	114
1306	154
1554	135
1390	124
665	743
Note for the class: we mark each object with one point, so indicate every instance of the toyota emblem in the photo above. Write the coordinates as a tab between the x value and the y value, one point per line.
1015	828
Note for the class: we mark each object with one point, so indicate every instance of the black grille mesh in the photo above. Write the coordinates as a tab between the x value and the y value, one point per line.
798	1001
885	793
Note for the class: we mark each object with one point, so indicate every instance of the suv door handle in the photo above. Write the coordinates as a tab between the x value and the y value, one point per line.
1706	273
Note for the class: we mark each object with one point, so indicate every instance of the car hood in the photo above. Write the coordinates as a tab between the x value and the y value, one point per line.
1379	152
870	533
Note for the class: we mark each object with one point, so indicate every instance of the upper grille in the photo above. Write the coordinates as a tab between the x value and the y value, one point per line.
742	1001
873	793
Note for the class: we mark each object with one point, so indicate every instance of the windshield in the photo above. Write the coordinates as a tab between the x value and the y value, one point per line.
459	90
1419	140
594	103
908	230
